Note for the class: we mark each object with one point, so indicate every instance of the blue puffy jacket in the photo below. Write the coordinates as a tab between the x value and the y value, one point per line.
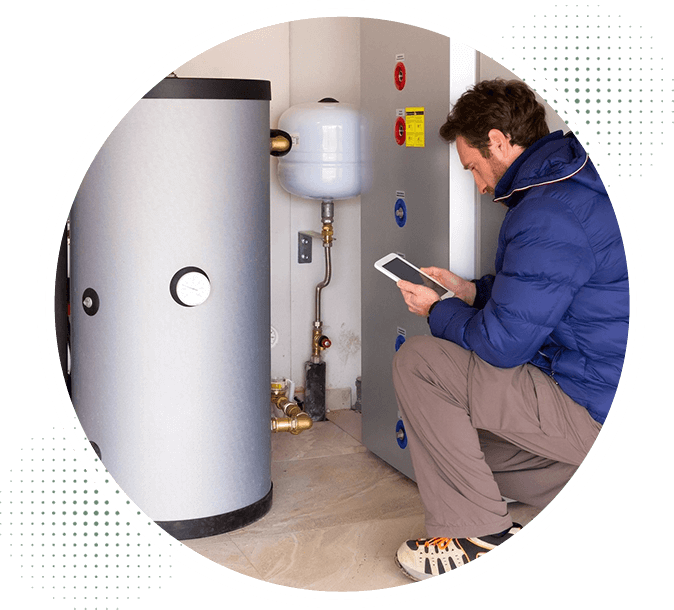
560	295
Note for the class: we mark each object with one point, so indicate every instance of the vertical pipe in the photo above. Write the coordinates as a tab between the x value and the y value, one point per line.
327	217
324	283
314	397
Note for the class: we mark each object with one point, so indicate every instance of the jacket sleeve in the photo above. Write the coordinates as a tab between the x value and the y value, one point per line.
483	288
547	258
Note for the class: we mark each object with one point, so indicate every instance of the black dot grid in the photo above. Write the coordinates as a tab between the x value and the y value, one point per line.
64	537
612	69
65	542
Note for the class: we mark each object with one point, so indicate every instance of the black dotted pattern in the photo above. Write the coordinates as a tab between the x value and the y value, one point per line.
614	73
63	535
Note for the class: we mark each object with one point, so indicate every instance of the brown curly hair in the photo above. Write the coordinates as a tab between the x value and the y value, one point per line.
507	105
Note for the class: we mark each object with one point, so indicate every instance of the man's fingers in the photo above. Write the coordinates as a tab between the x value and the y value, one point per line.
406	286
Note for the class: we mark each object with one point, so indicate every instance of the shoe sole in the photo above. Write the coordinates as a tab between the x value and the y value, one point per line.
409	574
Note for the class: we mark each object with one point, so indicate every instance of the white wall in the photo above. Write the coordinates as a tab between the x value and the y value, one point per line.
305	62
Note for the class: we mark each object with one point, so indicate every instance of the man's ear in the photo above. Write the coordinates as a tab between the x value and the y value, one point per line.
498	141
502	148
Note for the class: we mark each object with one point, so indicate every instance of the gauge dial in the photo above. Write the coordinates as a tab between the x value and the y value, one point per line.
190	287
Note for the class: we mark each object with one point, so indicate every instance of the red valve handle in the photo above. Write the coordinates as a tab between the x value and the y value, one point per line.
324	342
400	131
400	76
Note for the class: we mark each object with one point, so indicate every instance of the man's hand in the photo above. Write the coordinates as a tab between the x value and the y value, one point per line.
463	289
418	298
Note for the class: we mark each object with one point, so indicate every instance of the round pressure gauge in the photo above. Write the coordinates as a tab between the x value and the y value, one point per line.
190	287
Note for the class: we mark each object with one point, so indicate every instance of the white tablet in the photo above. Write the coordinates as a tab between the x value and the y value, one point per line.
397	268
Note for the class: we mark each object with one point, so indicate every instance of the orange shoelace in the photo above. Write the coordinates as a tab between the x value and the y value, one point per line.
440	543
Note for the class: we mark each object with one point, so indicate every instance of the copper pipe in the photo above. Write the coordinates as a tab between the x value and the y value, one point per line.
317	342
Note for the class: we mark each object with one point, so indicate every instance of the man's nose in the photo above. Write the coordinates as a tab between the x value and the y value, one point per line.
482	186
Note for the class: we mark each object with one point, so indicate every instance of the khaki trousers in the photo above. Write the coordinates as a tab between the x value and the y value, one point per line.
478	434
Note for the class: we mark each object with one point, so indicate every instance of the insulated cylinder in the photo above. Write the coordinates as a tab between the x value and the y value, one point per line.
170	304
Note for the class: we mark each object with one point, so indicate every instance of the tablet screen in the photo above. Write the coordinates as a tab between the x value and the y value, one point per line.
401	269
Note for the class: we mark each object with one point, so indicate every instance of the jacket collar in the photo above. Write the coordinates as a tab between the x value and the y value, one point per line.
550	159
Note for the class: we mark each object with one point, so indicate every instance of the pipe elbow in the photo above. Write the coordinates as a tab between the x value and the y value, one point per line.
295	420
295	424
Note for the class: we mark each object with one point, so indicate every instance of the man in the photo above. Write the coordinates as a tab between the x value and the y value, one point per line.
506	397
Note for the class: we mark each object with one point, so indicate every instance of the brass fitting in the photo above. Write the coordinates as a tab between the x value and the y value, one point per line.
280	143
294	425
288	407
327	232
296	420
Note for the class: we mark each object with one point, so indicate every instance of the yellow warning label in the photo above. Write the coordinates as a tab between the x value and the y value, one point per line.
414	119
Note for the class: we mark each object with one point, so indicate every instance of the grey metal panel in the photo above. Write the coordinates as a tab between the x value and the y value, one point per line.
177	398
422	173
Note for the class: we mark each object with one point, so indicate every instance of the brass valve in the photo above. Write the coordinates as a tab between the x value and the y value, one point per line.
319	341
296	420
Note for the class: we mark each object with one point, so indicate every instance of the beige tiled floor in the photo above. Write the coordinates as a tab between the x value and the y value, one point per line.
339	514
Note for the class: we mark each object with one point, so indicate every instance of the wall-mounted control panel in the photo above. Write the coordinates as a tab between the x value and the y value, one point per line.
404	208
418	200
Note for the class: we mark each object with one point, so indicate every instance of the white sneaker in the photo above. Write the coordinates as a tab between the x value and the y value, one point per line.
424	558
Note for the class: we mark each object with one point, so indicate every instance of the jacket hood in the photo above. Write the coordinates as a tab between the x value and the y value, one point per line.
553	158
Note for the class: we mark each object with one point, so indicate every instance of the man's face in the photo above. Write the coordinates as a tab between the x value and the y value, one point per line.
486	171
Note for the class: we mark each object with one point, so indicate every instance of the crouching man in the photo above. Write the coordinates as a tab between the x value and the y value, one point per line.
507	396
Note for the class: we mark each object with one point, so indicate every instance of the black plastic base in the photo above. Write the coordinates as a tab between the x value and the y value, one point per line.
314	391
218	524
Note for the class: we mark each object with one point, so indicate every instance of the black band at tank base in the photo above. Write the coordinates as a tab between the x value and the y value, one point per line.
218	524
